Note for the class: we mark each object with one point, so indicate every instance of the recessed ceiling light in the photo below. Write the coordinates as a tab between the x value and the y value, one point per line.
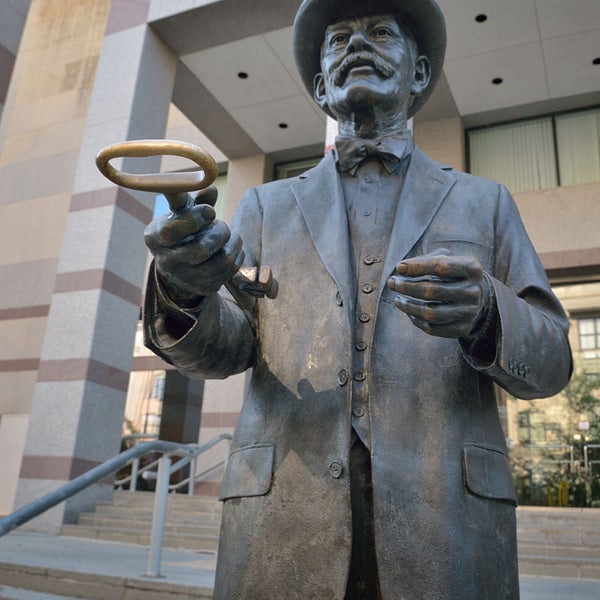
481	18
497	80
596	61
283	125
243	75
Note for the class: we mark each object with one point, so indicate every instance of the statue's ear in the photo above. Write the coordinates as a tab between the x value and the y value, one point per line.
421	76
319	93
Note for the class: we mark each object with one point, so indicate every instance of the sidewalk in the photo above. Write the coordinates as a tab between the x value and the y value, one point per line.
64	565
189	570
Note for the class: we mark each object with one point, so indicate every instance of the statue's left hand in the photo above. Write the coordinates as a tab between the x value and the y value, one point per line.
443	295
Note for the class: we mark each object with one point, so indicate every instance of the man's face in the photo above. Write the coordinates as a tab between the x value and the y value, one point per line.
366	61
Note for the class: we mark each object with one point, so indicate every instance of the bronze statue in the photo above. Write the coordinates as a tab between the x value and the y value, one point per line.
368	460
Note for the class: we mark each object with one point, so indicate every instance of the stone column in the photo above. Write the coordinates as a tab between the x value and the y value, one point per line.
78	402
182	405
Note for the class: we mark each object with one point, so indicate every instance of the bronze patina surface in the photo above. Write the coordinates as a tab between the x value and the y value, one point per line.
368	460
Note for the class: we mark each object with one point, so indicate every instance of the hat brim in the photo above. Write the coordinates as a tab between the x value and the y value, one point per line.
423	17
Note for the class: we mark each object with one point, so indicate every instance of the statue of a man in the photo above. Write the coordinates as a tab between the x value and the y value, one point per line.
368	460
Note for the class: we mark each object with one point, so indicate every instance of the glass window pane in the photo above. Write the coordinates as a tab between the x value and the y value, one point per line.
521	156
586	326
578	145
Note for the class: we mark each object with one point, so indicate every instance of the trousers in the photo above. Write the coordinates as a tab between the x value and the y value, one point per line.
363	579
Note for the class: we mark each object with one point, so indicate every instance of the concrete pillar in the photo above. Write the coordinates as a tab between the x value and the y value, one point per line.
243	173
40	134
181	408
79	398
443	140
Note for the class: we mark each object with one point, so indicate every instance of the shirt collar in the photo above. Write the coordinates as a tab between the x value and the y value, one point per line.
392	150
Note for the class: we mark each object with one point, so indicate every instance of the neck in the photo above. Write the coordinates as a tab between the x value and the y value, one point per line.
371	125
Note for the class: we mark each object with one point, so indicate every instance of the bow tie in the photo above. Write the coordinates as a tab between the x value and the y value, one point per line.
390	150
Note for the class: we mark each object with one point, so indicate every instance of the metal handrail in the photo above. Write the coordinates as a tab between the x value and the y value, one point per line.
194	477
69	489
148	473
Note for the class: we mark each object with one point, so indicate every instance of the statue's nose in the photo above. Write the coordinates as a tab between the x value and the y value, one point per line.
359	40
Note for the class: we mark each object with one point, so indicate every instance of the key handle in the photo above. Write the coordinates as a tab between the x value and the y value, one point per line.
169	184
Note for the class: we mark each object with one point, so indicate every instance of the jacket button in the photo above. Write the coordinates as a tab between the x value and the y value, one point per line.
361	346
336	469
364	318
359	375
358	411
368	259
367	288
343	377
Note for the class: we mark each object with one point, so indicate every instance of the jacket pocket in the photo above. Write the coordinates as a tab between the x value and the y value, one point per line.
249	472
487	473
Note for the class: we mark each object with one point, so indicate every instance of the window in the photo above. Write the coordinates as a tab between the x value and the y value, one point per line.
589	333
293	169
540	153
578	146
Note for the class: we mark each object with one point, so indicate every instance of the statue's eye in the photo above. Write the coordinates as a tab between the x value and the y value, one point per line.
382	32
338	38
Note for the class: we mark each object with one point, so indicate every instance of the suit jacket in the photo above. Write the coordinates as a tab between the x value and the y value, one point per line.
443	493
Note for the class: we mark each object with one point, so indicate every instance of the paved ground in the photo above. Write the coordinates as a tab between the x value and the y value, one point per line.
105	558
553	588
188	568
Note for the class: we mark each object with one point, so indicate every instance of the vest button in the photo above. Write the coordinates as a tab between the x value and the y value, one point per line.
361	346
336	469
358	411
367	288
364	318
338	299
368	259
359	375
342	377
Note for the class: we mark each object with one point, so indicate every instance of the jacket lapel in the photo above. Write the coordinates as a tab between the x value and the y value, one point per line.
425	187
320	197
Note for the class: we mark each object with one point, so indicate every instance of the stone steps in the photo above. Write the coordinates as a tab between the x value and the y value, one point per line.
559	542
177	541
552	541
192	522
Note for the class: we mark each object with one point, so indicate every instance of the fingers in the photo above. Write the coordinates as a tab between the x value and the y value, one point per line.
449	330
200	269
440	290
437	314
441	266
207	196
442	294
174	229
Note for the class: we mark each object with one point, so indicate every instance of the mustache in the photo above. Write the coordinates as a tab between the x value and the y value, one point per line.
357	59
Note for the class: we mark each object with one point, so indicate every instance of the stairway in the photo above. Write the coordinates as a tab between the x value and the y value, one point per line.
192	522
559	542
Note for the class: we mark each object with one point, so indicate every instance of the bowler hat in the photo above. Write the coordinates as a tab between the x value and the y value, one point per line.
423	17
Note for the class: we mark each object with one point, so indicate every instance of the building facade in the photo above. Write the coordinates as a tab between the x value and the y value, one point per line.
518	102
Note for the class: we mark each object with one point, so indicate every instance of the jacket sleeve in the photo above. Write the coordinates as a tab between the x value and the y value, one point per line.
532	353
218	338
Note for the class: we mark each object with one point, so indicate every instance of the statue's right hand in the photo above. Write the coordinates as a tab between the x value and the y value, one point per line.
194	252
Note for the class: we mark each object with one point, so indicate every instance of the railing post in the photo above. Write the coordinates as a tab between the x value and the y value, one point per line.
192	483
134	474
158	519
